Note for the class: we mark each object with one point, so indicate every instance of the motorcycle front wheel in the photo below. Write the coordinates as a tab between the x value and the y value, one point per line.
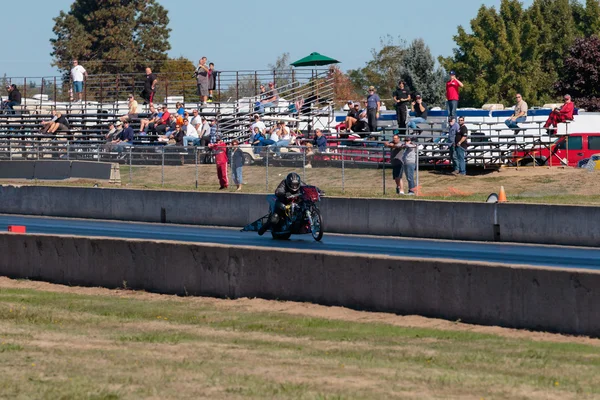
317	224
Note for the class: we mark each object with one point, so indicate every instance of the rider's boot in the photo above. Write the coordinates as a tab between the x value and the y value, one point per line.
264	228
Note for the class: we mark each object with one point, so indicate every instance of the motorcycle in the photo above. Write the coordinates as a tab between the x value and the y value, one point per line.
302	216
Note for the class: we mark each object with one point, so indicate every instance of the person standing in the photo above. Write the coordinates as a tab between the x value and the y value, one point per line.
78	76
409	163
220	152
149	87
452	87
451	140
373	106
202	80
461	147
519	114
212	81
237	162
396	161
402	99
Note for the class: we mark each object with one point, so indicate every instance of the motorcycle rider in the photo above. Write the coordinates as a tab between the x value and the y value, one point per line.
287	190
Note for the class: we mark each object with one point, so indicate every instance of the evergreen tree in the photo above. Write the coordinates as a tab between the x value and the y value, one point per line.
111	36
419	72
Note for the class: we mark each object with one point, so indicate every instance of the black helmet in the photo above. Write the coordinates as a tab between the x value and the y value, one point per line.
292	181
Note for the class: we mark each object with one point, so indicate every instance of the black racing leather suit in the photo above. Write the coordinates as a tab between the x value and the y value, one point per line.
284	197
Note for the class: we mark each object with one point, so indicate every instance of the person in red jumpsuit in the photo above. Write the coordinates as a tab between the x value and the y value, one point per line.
558	115
220	151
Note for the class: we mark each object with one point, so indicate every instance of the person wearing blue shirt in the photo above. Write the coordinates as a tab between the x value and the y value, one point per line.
451	139
320	141
373	105
125	139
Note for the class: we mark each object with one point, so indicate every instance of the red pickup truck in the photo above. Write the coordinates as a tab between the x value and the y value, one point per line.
566	150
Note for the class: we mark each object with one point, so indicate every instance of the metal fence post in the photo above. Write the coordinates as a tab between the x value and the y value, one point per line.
162	168
304	164
267	170
418	155
10	148
343	172
68	151
130	164
98	153
196	155
383	171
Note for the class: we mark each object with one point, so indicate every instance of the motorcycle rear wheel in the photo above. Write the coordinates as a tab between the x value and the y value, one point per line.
317	224
281	236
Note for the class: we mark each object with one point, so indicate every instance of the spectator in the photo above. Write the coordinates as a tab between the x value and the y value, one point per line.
362	126
124	140
561	114
320	141
78	76
153	118
213	131
149	87
451	140
220	151
212	81
257	140
176	136
352	116
519	114
202	80
132	112
196	120
373	106
420	110
258	123
237	163
452	87
161	126
402	99
48	123
114	131
461	147
191	134
271	98
60	125
170	127
409	162
14	97
396	161
284	135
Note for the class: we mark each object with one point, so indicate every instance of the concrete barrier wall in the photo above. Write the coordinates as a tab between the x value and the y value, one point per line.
525	223
565	301
54	169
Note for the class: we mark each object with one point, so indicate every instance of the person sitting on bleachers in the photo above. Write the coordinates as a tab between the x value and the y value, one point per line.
191	134
46	124
271	99
362	126
152	118
125	139
176	138
558	115
132	113
14	98
60	125
114	131
352	117
160	127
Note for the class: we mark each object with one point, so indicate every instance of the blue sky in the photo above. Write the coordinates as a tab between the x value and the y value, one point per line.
250	35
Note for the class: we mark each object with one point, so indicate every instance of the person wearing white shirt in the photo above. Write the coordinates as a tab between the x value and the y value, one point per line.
196	120
191	134
284	135
258	123
78	75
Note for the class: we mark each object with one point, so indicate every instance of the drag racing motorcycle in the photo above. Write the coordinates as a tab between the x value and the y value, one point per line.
302	216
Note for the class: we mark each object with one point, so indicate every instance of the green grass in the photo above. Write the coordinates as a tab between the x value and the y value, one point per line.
67	345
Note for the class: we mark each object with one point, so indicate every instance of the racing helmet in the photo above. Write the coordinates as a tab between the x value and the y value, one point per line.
292	182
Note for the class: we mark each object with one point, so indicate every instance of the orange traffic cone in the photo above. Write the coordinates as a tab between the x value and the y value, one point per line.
502	195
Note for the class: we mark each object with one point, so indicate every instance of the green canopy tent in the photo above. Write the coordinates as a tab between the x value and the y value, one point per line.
314	59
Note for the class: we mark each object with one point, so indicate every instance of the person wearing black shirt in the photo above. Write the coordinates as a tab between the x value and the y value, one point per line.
149	87
14	97
460	142
420	110
402	99
61	124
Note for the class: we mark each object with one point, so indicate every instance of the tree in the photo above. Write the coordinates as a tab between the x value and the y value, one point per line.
282	71
418	71
111	36
176	76
343	88
580	76
383	71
